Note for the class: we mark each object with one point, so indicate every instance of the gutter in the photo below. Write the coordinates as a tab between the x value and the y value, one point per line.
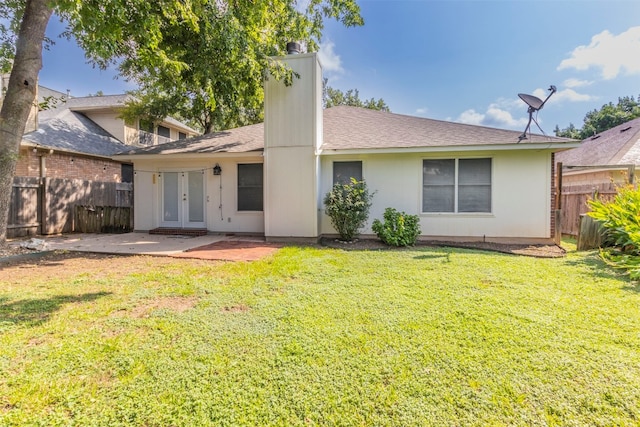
551	146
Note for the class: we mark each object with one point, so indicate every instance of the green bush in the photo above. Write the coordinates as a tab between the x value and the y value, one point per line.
620	220
398	229
347	205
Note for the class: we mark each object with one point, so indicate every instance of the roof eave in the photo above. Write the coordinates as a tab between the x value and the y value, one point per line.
551	146
30	144
186	156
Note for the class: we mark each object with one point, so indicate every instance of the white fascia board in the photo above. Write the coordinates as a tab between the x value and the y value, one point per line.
451	148
185	156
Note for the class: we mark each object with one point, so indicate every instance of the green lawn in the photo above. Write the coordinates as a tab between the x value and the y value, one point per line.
428	336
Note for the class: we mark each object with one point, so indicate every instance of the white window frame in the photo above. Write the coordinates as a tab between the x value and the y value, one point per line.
238	167
456	210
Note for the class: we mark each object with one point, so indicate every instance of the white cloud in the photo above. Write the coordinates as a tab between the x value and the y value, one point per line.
470	117
571	96
422	111
612	54
577	83
511	113
495	116
330	60
568	95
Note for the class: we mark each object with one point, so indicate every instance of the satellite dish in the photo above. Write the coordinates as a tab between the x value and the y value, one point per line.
535	104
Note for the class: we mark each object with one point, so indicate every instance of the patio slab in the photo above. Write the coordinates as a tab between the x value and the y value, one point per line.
129	243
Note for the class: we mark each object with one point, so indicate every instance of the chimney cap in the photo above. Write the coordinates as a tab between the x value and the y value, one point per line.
293	48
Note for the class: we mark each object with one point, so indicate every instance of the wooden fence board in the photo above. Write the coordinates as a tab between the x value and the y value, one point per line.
24	213
590	234
47	205
103	219
574	203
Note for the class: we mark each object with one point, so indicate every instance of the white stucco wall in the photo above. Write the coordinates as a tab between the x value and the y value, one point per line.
221	204
521	195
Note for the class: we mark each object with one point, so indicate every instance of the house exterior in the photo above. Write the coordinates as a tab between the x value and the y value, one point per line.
465	182
75	137
65	159
598	166
610	156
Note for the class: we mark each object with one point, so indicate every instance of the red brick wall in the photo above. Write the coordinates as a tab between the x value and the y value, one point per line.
28	164
62	165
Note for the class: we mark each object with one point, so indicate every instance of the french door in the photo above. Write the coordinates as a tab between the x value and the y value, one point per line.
183	199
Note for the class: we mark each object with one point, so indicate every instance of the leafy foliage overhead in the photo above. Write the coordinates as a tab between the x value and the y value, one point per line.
334	97
607	117
215	65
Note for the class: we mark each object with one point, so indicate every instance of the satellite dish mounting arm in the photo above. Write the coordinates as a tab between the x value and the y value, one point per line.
535	104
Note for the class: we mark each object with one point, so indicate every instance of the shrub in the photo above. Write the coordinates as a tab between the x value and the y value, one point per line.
398	229
620	220
347	205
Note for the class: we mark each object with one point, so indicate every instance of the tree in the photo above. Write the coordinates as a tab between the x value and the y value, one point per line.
334	97
607	117
226	55
201	52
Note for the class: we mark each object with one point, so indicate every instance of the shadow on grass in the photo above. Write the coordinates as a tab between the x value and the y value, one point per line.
52	258
601	269
33	312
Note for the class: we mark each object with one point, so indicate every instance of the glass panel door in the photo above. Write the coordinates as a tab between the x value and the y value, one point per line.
195	199
183	199
171	199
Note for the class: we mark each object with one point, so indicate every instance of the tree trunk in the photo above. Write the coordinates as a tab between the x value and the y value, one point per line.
20	97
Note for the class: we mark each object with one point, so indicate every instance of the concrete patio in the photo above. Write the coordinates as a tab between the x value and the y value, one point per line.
211	246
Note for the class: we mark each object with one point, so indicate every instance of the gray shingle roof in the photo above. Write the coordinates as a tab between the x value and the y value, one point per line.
239	140
616	146
106	102
74	132
360	128
352	128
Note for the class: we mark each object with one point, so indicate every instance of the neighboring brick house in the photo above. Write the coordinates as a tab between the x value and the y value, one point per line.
75	137
65	158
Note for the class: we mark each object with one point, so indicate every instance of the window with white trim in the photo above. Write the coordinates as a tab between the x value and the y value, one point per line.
344	171
456	185
250	193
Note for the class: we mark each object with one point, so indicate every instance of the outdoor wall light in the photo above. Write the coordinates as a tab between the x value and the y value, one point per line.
217	170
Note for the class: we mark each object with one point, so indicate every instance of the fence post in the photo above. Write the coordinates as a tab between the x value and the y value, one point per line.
589	234
557	238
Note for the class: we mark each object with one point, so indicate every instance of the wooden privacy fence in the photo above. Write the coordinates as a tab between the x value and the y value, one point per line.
48	205
24	207
574	203
102	219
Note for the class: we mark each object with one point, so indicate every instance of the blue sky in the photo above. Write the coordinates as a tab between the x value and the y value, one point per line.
456	60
